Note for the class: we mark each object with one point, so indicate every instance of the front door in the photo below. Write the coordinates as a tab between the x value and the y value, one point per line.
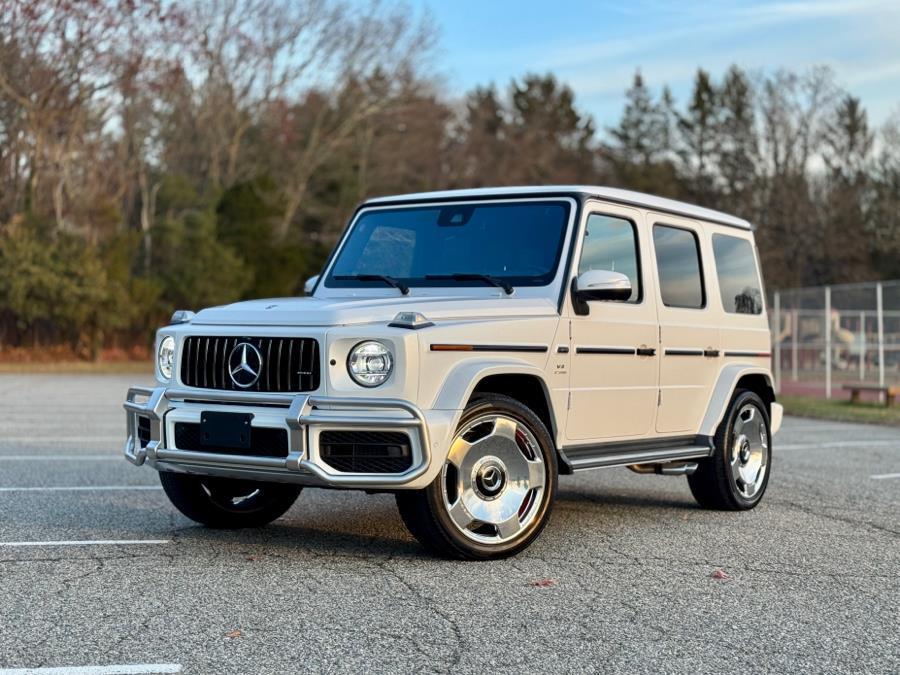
614	370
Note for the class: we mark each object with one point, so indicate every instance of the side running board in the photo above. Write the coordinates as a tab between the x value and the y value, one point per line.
581	458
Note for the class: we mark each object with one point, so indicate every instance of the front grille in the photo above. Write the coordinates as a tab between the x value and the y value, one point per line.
264	441
288	364
366	451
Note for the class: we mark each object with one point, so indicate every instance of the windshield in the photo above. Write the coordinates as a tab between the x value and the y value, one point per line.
512	243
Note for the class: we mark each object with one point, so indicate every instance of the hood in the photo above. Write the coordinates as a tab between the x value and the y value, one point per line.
356	310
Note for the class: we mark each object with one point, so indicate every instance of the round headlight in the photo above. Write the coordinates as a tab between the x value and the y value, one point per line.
165	357
370	363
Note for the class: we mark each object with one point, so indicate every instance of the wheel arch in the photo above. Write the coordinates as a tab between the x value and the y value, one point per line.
527	389
736	376
521	381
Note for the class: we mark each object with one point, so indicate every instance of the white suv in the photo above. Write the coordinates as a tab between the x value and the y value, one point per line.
461	349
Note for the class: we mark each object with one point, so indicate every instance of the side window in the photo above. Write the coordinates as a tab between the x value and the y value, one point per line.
738	276
678	262
611	244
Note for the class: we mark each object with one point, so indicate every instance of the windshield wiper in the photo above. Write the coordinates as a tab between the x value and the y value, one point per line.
390	281
470	276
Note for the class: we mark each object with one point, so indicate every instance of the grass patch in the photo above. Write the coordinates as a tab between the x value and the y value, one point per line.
79	367
842	411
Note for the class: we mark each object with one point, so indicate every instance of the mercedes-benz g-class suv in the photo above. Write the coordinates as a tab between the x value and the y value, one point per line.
461	350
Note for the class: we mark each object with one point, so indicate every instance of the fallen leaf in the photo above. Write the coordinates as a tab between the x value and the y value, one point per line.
720	574
543	583
233	634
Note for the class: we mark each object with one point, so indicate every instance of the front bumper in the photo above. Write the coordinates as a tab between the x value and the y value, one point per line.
303	416
777	413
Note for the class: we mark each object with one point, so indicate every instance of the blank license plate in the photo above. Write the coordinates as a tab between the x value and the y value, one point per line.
225	430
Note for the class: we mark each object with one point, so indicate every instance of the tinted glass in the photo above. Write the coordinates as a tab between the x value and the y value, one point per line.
678	261
517	242
610	244
387	246
738	277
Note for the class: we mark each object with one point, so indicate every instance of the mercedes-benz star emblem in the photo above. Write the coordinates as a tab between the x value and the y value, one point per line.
244	365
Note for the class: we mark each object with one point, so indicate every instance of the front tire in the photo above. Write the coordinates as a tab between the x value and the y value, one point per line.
735	477
225	502
495	492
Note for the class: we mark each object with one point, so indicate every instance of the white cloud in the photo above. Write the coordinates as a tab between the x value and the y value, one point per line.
849	36
874	74
788	11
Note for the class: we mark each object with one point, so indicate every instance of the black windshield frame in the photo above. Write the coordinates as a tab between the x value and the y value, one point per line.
566	203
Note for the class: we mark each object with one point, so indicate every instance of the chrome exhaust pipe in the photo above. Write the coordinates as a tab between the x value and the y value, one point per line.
668	469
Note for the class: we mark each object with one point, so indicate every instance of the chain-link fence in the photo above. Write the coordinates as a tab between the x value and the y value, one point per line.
827	336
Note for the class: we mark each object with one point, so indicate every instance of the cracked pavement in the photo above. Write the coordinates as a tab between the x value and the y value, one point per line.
620	581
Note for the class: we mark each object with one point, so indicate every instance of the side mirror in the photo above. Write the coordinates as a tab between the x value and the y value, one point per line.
599	285
310	284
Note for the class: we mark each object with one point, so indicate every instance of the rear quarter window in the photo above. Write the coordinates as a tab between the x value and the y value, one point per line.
738	275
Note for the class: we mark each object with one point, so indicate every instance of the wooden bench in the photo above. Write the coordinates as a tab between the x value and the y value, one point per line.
890	393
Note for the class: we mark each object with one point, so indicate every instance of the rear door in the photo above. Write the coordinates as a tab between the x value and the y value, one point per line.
689	353
745	328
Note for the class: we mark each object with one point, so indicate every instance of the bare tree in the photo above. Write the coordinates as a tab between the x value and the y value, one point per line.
374	55
793	110
242	54
56	70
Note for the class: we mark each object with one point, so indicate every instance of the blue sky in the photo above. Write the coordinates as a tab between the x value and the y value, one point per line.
596	46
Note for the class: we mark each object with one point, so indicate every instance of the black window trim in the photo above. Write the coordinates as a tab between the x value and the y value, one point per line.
637	250
696	235
756	265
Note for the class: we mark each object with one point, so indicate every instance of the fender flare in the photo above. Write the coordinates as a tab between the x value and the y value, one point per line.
724	390
465	376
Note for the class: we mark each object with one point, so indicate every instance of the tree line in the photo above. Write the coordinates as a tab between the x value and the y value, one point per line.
161	154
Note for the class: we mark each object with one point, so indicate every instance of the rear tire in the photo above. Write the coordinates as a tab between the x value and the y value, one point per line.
735	477
228	503
495	493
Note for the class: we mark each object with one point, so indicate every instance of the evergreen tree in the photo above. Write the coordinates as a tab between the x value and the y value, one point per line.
738	148
884	221
638	136
479	144
550	132
844	245
699	140
643	145
848	141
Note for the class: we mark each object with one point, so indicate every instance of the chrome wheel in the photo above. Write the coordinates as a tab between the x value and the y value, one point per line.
494	479
749	456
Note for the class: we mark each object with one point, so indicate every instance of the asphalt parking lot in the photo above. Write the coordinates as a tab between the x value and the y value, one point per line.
623	580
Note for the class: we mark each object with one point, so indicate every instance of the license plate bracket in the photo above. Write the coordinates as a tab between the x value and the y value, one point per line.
225	430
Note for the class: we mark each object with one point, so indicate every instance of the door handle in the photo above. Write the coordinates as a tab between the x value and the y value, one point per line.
711	352
645	351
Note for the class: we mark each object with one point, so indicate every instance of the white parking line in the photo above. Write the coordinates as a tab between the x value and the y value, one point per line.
85	542
837	444
61	458
885	476
80	488
135	669
62	439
